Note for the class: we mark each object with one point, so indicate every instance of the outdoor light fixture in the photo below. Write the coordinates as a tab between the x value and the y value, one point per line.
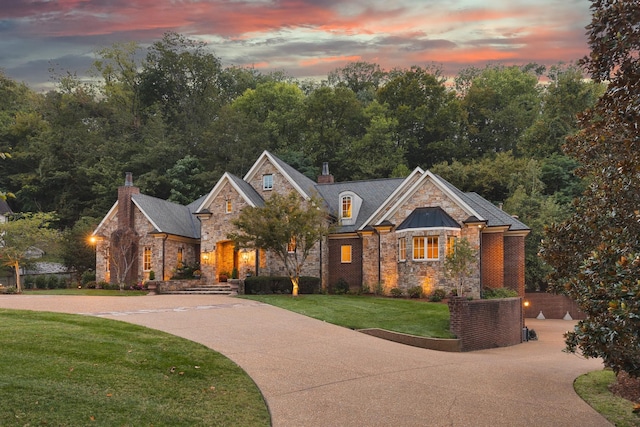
526	303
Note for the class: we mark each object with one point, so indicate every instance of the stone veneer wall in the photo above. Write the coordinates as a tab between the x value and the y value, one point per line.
482	324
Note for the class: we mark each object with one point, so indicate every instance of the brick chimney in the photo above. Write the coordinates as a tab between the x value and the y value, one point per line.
125	205
326	177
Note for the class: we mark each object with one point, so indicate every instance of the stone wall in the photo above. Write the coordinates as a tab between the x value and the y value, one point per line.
552	306
482	324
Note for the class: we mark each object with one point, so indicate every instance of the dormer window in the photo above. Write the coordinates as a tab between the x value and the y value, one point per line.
347	206
267	182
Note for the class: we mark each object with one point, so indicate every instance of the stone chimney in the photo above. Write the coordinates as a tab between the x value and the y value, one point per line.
125	205
326	177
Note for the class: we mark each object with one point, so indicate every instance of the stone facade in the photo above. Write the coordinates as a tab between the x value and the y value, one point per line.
373	235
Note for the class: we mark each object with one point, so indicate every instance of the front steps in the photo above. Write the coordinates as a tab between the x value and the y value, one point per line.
217	289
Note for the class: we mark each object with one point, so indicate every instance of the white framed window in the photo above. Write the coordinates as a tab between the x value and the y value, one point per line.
228	206
451	245
346	207
267	182
180	257
345	254
418	248
146	258
425	248
402	249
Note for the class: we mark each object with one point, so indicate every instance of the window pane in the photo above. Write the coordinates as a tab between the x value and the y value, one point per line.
346	207
146	259
345	254
267	182
418	248
432	248
402	249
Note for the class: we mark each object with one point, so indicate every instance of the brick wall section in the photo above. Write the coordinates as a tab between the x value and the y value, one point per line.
552	306
351	272
514	260
482	324
492	260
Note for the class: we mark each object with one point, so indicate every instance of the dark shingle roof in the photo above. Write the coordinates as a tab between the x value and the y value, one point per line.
169	217
494	216
248	190
373	193
430	217
304	182
4	207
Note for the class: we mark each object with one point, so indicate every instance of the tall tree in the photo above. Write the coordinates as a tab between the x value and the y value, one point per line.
501	104
282	224
428	115
22	233
596	252
363	78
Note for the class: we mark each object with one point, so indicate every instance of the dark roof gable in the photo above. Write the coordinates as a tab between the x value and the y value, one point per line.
429	217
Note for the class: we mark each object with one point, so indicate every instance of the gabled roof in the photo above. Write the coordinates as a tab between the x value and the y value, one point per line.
373	193
168	217
487	211
4	207
246	191
303	184
428	217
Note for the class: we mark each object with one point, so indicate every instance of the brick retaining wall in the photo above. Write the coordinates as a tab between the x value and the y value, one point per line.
481	324
552	306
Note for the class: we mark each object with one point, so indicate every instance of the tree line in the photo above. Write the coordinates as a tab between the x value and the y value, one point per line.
176	118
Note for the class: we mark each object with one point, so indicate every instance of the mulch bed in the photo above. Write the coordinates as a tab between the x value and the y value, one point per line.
626	387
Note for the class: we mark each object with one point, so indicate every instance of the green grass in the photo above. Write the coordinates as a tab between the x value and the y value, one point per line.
593	389
72	370
84	292
361	312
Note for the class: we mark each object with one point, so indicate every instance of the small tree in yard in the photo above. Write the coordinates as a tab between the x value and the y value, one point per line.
596	253
286	226
459	262
20	234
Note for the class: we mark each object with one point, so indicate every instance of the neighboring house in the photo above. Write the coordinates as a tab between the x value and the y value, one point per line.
5	210
390	232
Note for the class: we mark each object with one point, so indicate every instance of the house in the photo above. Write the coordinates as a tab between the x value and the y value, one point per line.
389	232
5	210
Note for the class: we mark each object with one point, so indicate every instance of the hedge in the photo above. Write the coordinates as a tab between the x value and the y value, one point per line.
261	285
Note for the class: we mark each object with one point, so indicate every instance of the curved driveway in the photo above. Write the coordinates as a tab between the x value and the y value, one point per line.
316	374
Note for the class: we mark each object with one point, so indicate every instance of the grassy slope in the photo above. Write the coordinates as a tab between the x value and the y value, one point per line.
360	312
75	370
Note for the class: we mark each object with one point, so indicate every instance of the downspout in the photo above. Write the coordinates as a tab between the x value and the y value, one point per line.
321	260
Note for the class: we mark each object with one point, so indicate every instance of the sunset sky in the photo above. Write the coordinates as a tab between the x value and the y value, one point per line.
304	38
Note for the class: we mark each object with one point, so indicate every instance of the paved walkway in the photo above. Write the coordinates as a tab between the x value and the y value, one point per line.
315	374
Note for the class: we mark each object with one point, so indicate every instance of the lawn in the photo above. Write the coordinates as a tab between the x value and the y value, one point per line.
593	389
60	369
360	312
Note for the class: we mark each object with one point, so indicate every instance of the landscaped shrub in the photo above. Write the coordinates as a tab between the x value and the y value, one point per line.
341	287
88	276
396	292
490	293
438	295
261	285
415	292
41	282
90	285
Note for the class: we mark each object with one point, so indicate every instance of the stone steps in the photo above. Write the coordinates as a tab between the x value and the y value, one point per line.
218	289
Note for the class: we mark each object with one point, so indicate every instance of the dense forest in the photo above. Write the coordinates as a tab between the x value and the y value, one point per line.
176	118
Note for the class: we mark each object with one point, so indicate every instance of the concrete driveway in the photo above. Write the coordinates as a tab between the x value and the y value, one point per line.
316	374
